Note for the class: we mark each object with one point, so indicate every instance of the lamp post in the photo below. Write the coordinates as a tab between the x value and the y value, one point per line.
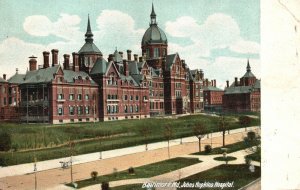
35	170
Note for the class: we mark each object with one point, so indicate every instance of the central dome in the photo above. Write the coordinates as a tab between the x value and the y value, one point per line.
154	35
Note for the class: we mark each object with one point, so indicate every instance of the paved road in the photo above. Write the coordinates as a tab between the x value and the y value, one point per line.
128	157
55	163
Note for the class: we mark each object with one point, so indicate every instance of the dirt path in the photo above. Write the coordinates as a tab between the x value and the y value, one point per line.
54	178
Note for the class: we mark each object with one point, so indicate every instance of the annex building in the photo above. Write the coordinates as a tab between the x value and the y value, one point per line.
87	87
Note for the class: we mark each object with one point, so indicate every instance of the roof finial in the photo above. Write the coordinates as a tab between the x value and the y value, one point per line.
153	15
248	66
89	35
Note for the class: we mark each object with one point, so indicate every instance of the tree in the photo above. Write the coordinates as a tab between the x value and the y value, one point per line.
145	132
199	132
94	175
244	121
168	133
223	125
5	141
72	145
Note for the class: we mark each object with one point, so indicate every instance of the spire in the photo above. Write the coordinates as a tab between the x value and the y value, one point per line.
248	66
153	16
89	35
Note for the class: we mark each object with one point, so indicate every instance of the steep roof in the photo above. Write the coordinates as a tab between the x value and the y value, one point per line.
2	80
100	66
117	57
17	78
170	60
89	47
133	68
242	89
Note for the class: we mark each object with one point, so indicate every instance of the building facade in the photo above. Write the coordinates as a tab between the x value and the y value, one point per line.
90	88
243	95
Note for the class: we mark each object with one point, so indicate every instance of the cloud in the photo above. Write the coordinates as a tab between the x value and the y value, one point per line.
65	27
117	29
217	31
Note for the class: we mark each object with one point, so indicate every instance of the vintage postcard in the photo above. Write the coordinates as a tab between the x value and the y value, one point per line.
130	95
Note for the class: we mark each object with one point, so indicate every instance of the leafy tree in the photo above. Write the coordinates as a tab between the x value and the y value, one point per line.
5	141
223	126
168	133
94	175
244	121
145	132
105	185
199	132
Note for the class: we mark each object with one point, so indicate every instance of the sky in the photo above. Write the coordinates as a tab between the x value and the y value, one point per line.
213	35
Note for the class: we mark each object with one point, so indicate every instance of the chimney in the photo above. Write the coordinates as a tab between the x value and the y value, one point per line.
135	57
212	83
129	55
235	81
32	63
110	57
206	82
75	61
46	59
4	76
201	74
125	66
144	56
227	84
121	53
140	59
215	83
66	61
54	57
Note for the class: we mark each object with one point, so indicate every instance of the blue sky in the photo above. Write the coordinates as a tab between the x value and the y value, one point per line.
216	36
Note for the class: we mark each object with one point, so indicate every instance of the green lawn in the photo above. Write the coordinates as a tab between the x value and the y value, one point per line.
230	148
228	158
51	141
145	171
240	175
127	187
255	156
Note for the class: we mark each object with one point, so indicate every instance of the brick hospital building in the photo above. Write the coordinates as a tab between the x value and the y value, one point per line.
87	87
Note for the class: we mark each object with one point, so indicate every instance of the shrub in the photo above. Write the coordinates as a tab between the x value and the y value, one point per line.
207	149
244	120
131	170
251	135
94	175
105	186
248	160
5	142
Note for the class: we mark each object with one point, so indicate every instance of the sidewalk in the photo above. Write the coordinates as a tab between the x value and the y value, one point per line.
85	158
207	163
56	178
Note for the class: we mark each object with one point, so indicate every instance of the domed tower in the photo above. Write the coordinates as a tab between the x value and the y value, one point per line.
89	53
154	43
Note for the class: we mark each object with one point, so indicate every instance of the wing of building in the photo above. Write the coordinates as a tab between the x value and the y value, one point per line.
243	95
87	87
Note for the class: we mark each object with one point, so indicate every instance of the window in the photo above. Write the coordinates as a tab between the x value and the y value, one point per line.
145	97
125	97
131	109
60	96
197	94
108	109
125	109
131	97
136	98
60	111
87	110
164	52
71	96
156	52
136	108
71	110
4	101
79	96
79	110
86	97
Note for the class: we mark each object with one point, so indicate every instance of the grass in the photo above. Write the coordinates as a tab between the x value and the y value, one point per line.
256	156
240	175
51	141
145	171
228	158
131	187
230	148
